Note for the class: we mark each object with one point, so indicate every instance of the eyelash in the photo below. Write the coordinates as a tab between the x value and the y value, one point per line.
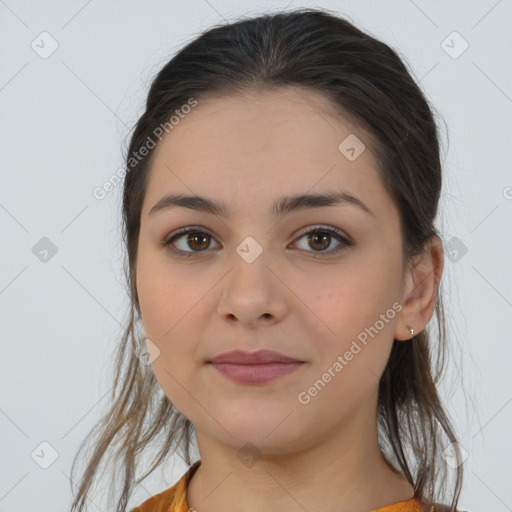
344	242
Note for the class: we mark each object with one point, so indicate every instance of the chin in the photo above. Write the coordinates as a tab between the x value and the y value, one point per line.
265	433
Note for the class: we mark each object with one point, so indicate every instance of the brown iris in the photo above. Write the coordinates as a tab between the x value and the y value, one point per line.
312	239
193	237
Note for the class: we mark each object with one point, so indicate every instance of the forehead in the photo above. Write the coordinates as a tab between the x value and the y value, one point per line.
251	146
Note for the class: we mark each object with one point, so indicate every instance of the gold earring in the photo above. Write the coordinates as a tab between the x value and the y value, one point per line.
411	330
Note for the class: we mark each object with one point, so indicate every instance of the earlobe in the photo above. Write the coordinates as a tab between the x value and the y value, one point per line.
420	291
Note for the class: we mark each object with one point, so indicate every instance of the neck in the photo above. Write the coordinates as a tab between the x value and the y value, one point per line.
345	470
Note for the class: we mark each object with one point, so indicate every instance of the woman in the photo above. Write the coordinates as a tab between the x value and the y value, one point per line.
279	203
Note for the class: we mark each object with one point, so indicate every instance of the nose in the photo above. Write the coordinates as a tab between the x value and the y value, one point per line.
252	292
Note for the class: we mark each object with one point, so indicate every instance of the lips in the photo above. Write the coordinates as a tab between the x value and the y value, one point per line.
259	357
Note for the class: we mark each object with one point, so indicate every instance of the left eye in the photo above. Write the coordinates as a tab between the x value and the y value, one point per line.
199	241
322	236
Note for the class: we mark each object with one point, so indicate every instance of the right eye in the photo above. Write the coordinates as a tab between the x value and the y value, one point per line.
198	240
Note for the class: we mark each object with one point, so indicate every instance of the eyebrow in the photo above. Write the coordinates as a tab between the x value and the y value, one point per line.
281	207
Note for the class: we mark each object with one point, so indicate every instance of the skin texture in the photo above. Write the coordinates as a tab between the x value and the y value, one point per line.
249	150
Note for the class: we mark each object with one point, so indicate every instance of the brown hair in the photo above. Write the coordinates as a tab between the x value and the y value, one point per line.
366	80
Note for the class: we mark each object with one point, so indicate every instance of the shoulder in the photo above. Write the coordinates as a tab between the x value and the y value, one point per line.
437	507
172	499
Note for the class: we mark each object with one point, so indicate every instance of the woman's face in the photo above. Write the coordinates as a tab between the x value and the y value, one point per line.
255	280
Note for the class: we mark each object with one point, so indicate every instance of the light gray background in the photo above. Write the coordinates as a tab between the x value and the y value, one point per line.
63	122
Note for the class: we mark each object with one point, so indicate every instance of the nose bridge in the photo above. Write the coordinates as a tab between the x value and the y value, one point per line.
251	290
250	262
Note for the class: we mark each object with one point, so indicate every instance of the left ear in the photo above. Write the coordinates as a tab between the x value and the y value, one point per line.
421	283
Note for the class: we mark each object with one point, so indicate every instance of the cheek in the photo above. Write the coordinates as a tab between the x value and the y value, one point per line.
356	306
174	303
354	353
166	295
167	302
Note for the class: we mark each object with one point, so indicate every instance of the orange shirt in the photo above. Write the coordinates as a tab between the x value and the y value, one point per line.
174	499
